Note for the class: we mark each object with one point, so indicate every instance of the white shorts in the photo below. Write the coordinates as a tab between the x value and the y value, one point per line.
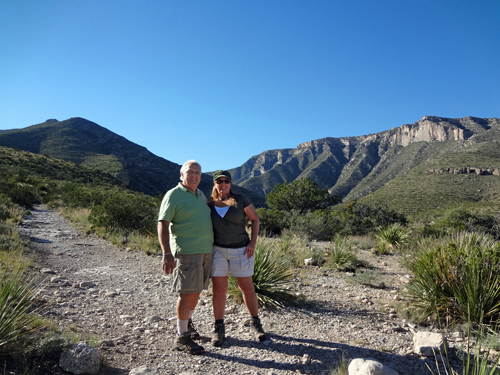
225	261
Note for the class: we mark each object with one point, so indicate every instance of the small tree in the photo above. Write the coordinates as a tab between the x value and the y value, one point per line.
302	195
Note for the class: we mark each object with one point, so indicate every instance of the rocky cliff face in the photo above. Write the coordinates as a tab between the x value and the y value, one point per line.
340	164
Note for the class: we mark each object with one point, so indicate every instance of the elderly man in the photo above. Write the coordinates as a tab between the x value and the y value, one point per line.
186	238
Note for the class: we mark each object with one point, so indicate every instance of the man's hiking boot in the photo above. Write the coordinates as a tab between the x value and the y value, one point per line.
184	343
256	327
218	335
192	331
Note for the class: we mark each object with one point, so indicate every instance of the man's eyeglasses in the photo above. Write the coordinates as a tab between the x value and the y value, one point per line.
218	182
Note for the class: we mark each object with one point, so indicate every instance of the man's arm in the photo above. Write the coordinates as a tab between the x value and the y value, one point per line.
168	263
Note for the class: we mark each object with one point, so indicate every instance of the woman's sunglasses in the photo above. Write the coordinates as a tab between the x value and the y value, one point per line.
218	182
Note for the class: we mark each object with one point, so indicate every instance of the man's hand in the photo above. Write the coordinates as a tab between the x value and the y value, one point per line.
168	263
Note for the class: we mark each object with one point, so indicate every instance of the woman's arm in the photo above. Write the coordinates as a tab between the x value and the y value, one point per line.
254	219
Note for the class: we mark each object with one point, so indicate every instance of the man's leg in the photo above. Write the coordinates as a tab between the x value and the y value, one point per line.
185	303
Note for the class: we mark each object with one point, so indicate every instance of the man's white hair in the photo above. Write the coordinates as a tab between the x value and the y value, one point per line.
186	166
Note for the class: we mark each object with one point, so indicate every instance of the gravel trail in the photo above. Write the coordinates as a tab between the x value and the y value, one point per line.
123	297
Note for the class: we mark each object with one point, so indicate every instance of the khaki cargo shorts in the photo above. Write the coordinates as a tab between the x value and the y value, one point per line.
191	273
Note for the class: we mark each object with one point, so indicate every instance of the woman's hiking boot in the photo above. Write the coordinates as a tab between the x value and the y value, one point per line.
184	343
192	331
256	326
219	334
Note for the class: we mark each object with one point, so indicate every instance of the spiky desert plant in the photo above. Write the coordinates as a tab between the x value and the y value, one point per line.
17	298
458	276
270	276
476	360
391	238
341	256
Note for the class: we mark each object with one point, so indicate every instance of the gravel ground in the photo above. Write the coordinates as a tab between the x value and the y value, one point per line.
125	301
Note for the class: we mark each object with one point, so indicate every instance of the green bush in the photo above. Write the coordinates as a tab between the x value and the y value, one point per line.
272	221
302	195
458	276
126	212
460	219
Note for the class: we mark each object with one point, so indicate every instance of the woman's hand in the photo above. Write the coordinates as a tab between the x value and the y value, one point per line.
249	251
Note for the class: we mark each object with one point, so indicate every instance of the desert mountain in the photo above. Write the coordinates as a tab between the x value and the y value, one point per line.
356	166
91	145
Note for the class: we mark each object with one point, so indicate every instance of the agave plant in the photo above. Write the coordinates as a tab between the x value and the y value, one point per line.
270	275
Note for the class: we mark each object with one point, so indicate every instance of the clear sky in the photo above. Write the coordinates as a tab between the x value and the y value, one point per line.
221	81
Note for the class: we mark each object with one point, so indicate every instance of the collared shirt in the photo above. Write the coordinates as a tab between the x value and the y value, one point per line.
190	224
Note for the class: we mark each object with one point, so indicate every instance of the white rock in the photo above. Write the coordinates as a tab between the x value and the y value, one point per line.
369	366
152	319
143	370
428	343
310	262
47	270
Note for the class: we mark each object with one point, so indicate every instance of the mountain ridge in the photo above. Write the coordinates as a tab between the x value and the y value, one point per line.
339	164
89	144
373	168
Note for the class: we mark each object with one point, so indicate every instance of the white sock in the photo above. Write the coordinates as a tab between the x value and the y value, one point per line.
182	326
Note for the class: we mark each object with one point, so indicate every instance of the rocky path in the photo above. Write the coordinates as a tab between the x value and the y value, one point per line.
124	299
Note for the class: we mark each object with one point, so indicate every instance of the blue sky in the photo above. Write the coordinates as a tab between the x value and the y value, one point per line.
221	81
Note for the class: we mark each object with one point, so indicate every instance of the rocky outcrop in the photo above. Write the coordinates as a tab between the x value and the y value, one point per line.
466	170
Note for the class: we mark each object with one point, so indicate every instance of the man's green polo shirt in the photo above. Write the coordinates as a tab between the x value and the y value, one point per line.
190	223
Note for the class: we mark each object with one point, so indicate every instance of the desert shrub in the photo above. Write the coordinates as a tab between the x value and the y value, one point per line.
458	276
270	274
361	241
341	256
22	194
292	249
272	221
126	212
80	196
460	219
302	195
312	225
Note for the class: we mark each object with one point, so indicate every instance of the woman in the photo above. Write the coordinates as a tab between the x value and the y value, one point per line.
233	252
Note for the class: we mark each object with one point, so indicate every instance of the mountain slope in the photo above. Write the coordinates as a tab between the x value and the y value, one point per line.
89	144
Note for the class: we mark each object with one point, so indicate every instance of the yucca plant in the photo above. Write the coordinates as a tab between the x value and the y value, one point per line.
458	276
17	297
270	275
391	238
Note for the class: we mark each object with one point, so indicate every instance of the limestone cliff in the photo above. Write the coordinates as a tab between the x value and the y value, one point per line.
341	164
